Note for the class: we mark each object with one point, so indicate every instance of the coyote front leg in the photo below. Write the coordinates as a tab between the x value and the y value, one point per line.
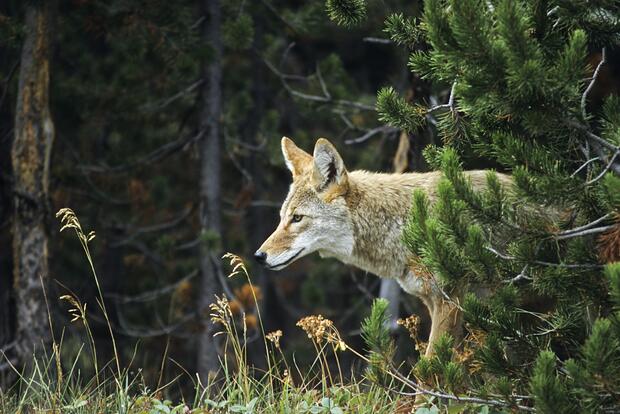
446	317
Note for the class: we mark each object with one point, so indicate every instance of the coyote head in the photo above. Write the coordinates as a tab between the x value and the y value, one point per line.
314	216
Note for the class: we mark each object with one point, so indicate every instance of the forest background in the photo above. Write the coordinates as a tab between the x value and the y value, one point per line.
128	96
159	124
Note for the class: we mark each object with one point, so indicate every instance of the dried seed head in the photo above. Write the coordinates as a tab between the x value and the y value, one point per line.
319	328
411	324
315	326
274	337
68	219
220	311
237	265
78	312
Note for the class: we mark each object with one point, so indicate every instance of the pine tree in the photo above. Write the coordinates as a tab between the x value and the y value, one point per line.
525	97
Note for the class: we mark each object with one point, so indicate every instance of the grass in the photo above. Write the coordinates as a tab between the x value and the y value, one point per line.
436	384
50	386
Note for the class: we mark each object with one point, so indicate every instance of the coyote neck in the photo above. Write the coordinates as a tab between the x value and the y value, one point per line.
379	205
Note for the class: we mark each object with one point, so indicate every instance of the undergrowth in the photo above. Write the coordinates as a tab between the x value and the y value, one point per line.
48	385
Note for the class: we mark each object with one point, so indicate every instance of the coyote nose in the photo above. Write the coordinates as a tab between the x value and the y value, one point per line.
261	257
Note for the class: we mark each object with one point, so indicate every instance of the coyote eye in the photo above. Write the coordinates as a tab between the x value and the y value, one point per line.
296	218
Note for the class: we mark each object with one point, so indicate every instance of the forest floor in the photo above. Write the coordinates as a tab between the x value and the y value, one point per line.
50	386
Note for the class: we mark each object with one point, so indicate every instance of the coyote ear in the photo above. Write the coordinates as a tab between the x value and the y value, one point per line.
328	166
295	158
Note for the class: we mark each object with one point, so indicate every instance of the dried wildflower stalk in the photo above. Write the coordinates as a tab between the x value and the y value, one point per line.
221	313
69	220
78	313
274	337
237	264
412	325
238	267
319	328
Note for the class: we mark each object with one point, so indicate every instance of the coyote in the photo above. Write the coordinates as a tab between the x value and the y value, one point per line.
357	217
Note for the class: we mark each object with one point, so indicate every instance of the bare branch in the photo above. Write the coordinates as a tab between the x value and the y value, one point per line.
188	245
608	145
8	347
362	288
140	332
273	10
379	40
370	133
322	82
421	390
522	275
606	169
584	97
135	232
346	121
266	203
156	259
197	23
154	156
584	232
151	107
585	226
315	98
585	164
449	105
151	294
236	163
615	166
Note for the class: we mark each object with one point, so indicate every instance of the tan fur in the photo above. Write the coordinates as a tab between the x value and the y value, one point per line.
358	217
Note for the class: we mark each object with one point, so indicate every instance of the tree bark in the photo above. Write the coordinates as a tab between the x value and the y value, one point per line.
30	157
210	182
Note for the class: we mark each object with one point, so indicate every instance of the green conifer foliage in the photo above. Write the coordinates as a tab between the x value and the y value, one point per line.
346	12
376	335
521	75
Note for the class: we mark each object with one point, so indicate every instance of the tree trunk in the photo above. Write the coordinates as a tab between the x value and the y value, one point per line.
30	157
210	220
